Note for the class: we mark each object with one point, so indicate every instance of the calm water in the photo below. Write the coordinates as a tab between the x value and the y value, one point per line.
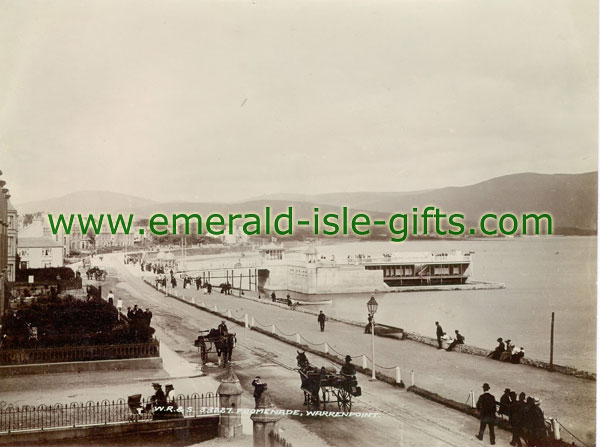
542	275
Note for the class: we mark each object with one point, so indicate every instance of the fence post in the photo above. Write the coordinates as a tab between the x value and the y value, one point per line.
364	361
298	338
398	375
326	348
412	378
273	328
555	429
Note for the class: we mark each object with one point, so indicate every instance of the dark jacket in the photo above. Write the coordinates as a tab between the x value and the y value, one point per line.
504	404
486	405
258	388
321	318
439	331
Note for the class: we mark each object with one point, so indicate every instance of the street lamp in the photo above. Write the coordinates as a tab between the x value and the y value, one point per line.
372	308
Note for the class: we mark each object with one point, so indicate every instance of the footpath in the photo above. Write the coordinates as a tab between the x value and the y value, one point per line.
452	375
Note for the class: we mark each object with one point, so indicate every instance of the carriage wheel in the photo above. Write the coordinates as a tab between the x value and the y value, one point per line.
344	400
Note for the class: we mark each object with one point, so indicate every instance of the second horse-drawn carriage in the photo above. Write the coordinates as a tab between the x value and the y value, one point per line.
216	341
323	385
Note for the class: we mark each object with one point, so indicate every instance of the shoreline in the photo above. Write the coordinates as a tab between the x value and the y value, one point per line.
406	335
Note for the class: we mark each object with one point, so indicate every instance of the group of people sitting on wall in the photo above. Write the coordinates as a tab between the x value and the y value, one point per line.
507	352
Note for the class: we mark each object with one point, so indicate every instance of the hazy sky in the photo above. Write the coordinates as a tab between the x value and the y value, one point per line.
224	100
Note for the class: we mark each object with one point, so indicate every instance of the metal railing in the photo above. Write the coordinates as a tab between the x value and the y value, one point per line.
78	414
79	353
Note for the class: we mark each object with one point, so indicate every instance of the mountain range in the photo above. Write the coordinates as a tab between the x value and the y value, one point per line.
571	199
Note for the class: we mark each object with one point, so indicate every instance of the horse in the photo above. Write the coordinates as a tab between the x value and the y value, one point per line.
310	376
224	346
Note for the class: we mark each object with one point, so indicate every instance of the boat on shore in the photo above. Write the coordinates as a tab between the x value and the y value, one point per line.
311	303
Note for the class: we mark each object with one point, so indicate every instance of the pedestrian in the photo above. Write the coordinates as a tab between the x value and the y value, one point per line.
486	405
321	319
119	306
259	388
439	332
505	403
458	340
110	297
536	425
273	297
518	413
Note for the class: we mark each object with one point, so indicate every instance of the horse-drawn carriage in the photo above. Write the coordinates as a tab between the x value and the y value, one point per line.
323	385
216	341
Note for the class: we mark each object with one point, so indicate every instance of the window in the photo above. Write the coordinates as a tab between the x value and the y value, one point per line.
23	252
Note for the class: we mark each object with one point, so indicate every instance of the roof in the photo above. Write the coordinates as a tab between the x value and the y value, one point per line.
271	246
37	242
10	206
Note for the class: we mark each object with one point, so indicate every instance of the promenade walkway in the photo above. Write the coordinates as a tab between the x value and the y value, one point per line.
450	374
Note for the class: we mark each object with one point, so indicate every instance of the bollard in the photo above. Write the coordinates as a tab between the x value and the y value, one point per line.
273	328
228	313
252	323
412	378
472	399
326	348
245	320
398	375
364	361
216	309
202	304
193	299
297	338
555	429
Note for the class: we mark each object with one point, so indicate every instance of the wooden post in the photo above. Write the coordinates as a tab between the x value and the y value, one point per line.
240	284
552	343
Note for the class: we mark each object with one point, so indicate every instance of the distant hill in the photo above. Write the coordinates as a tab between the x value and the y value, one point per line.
85	202
572	200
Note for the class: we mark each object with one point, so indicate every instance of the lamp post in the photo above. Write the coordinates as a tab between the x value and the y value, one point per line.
372	308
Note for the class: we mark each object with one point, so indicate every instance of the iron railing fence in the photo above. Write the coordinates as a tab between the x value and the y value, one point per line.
78	414
79	353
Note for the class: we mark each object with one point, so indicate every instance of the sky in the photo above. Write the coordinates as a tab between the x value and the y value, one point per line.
225	100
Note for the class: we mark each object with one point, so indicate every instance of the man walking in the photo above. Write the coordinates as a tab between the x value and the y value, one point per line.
439	332
321	319
486	405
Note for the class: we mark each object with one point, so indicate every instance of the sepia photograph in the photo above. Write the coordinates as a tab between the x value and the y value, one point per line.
303	223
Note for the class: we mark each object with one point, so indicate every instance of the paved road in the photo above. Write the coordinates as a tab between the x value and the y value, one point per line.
404	418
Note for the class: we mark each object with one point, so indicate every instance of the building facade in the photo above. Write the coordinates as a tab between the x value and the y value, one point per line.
39	252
